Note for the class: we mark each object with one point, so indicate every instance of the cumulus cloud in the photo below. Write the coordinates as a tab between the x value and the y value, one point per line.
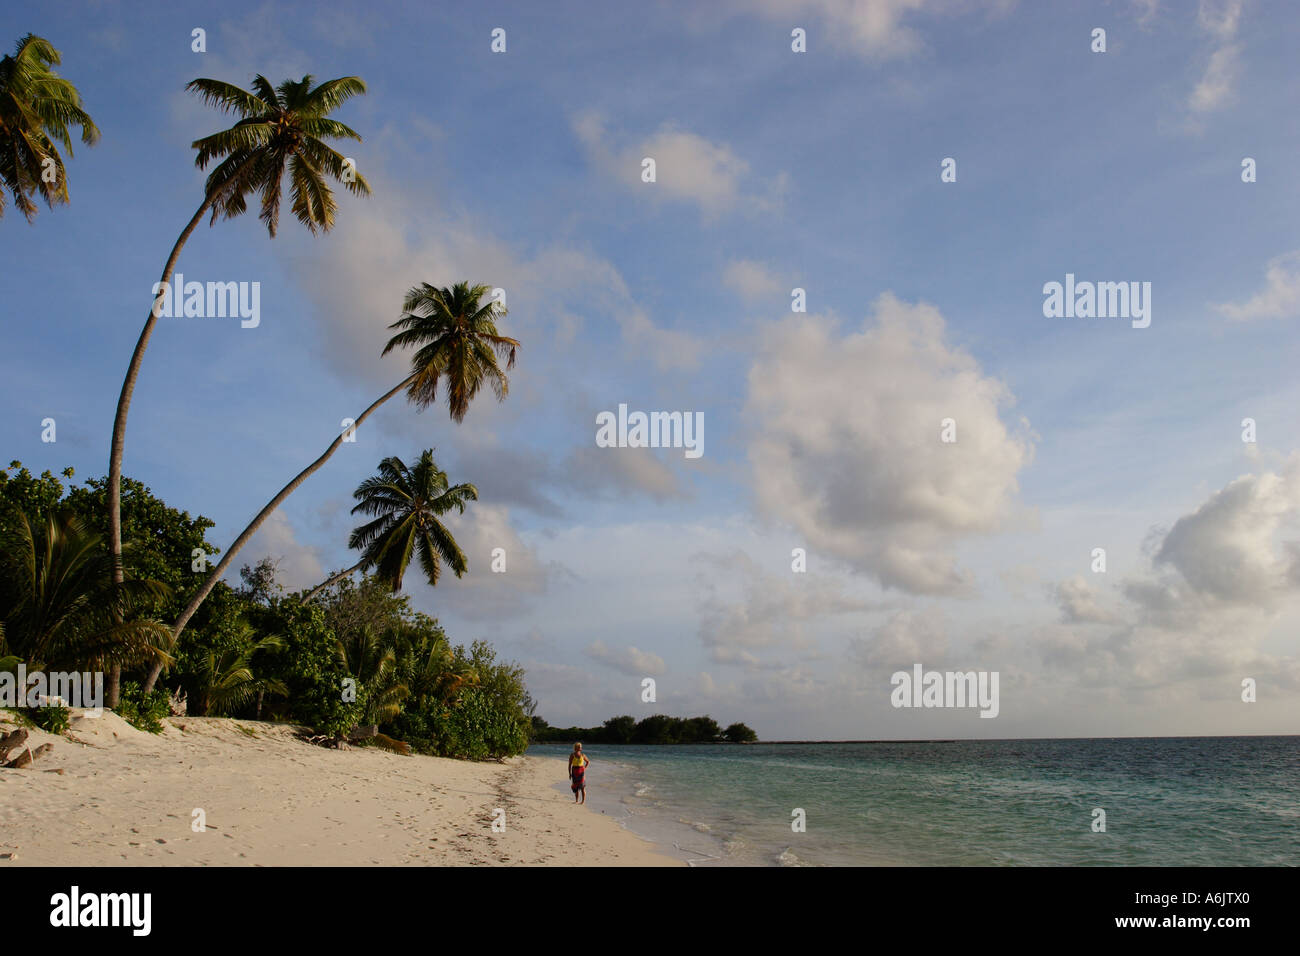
751	281
687	167
1225	549
626	660
1280	297
906	638
1218	580
1080	603
846	443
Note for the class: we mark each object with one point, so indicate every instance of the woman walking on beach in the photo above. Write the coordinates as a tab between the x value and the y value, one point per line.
578	773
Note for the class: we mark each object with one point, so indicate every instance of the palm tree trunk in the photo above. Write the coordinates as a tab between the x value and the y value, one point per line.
338	577
118	446
113	690
262	515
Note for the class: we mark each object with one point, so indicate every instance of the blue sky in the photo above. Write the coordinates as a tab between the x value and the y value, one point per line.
818	170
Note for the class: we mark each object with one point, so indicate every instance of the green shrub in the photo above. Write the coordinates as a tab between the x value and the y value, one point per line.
52	720
480	726
143	712
309	668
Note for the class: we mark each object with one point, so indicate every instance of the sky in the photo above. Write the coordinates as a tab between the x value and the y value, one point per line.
921	170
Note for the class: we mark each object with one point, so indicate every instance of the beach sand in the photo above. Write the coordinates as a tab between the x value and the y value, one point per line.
127	798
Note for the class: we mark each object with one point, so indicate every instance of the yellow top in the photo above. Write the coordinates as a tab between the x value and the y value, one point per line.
578	760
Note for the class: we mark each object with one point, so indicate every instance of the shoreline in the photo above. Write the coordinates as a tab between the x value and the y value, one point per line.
265	798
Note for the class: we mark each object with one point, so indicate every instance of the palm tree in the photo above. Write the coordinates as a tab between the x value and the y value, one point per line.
432	669
370	658
37	109
456	339
406	503
60	605
225	681
279	128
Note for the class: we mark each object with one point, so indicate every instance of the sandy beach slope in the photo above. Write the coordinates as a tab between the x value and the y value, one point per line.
127	798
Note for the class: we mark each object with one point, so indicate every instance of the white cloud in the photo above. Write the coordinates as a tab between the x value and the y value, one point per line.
906	638
1079	603
687	167
846	443
1217	84
298	566
1280	297
621	472
482	592
1220	19
356	280
1225	549
874	29
1218	581
770	610
751	281
626	660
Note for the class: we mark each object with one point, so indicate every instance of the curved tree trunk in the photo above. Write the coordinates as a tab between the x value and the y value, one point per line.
113	690
256	523
118	445
324	584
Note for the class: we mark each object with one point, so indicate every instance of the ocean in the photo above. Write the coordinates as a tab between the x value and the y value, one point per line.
1190	801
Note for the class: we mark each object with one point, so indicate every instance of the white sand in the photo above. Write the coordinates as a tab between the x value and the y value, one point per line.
128	798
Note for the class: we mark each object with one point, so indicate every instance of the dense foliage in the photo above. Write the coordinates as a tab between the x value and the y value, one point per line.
355	658
655	729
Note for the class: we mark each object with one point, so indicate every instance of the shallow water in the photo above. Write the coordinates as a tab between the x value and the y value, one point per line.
1200	801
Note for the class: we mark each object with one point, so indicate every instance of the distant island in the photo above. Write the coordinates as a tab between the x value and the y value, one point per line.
655	729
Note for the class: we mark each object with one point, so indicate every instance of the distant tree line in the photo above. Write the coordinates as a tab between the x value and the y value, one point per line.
655	729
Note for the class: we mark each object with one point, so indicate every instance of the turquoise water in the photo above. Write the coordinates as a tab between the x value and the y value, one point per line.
1198	801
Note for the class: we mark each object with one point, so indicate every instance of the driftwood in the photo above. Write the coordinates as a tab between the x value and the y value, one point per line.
12	741
360	737
29	757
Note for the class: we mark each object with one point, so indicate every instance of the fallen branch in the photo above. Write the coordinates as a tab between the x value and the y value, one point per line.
29	757
12	741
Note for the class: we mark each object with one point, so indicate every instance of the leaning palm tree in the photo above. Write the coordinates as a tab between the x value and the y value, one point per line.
457	341
280	129
37	110
406	504
60	605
